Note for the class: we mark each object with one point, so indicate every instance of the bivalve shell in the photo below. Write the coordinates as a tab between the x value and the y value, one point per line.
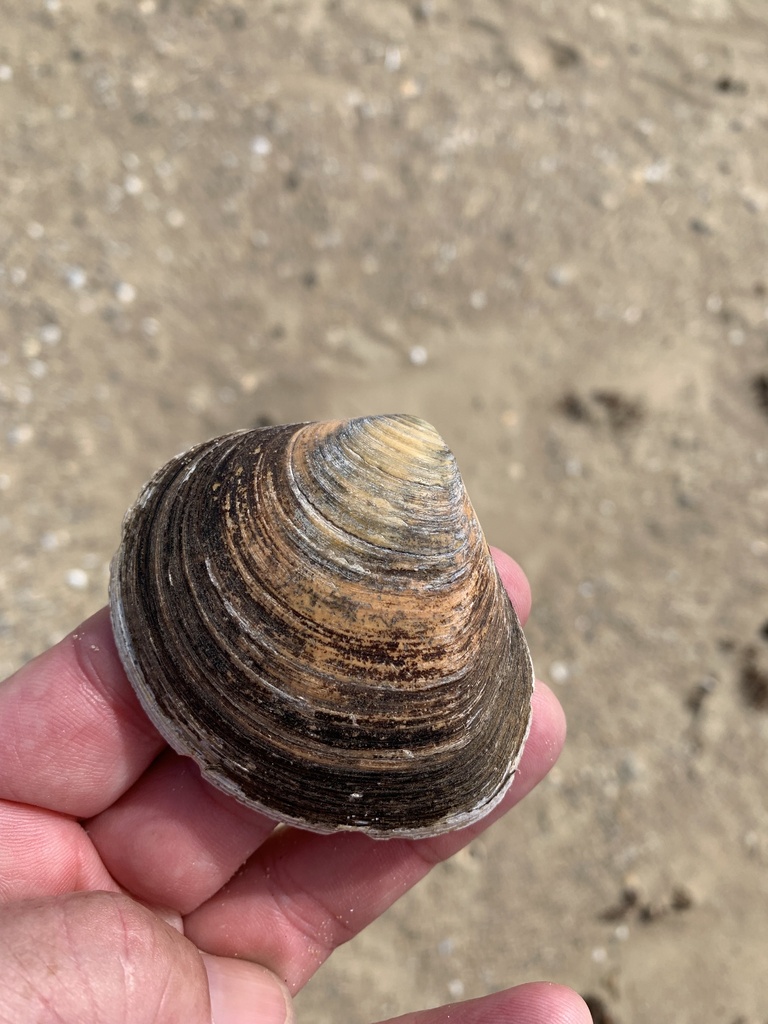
311	612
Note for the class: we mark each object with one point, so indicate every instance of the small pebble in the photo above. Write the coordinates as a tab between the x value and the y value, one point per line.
133	185
76	278
418	355
50	334
559	672
175	218
22	434
77	579
6	72
456	988
31	347
249	382
560	276
393	58
125	292
261	146
656	172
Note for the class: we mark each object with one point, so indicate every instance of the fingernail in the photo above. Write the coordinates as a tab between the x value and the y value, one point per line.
244	993
171	917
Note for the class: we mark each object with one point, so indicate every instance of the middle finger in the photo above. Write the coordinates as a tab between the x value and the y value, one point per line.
173	840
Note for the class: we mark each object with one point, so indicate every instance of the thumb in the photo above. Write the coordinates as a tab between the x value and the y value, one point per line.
245	993
101	958
534	1003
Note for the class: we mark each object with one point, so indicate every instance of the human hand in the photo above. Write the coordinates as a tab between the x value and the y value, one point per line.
134	893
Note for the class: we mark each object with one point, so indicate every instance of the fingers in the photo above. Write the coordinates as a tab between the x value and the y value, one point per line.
43	853
301	895
536	1003
243	993
95	957
171	808
73	736
515	583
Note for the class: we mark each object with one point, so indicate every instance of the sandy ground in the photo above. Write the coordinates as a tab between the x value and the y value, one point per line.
540	225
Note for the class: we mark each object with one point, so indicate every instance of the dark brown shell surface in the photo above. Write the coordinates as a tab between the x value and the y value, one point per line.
311	612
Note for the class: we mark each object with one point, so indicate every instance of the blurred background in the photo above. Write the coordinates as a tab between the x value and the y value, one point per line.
539	224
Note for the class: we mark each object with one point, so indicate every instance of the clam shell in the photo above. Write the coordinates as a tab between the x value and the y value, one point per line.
311	612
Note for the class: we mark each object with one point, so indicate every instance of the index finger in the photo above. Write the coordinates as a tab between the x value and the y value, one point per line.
515	583
73	736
